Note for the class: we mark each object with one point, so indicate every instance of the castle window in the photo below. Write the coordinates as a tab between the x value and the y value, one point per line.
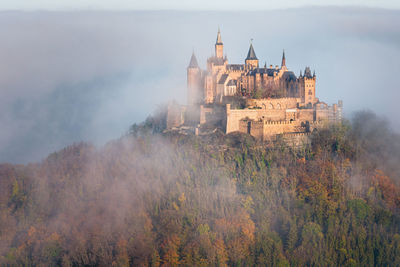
278	106
270	106
309	92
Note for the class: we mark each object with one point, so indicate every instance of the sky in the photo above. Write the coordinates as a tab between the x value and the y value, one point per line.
187	4
72	76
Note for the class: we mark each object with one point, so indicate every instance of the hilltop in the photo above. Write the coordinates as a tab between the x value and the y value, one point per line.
153	199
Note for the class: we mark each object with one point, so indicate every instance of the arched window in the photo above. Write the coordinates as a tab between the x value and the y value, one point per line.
309	92
270	106
278	106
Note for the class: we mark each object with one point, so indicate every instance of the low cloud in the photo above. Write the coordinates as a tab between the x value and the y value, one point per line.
72	76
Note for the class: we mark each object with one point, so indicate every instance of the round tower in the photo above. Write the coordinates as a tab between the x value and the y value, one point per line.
193	82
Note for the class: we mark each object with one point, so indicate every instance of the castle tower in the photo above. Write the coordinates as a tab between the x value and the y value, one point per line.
308	86
193	81
283	59
251	59
219	46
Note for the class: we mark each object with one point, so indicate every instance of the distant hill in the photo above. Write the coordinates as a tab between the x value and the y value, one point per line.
151	199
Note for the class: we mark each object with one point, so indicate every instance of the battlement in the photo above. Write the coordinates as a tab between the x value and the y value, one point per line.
278	122
295	134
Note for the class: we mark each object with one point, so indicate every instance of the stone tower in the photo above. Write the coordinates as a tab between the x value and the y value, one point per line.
251	59
193	81
307	85
219	46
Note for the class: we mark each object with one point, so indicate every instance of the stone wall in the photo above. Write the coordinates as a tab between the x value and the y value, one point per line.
295	139
175	115
272	128
306	115
261	109
274	103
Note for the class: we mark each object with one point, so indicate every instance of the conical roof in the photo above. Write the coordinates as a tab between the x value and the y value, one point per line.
193	62
283	59
219	40
251	54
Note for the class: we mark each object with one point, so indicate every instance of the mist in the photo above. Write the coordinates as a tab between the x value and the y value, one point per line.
87	76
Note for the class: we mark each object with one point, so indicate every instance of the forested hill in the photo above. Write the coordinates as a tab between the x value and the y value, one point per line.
150	199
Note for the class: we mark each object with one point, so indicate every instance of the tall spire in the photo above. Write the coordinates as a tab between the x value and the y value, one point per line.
193	62
251	54
219	41
219	46
283	59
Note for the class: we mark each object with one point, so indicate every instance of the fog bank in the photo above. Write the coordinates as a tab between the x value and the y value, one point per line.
72	76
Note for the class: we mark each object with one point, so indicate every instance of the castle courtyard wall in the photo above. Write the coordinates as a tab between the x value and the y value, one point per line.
272	128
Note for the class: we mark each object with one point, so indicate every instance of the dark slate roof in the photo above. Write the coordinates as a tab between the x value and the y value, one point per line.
193	62
231	83
289	76
251	54
235	66
283	59
269	72
223	78
307	72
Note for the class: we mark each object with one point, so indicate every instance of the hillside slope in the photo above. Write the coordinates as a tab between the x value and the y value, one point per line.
150	199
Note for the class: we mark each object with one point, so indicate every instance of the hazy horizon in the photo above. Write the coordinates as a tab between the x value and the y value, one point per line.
88	75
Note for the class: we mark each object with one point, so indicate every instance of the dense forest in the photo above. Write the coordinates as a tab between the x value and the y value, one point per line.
154	199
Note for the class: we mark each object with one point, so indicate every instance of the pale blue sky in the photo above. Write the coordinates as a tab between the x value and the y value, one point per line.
187	4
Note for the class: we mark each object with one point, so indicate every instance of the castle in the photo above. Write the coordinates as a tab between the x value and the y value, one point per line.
264	102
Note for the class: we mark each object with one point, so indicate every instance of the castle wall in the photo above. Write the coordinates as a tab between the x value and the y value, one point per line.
175	115
306	115
272	128
213	115
267	130
263	109
254	128
295	139
277	103
233	117
235	75
205	112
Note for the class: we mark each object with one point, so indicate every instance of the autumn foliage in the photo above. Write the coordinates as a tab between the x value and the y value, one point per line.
152	199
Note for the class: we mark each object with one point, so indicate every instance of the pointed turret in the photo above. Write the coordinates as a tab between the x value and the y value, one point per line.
283	59
251	54
219	46
193	62
251	59
219	41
